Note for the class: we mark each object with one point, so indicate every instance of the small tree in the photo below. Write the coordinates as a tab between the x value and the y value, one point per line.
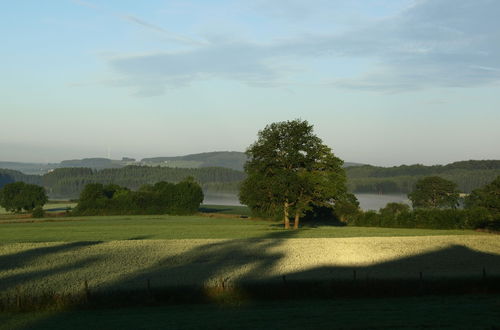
487	197
38	212
434	192
17	196
394	209
347	208
289	170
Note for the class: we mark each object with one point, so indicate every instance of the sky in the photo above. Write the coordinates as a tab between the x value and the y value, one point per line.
384	82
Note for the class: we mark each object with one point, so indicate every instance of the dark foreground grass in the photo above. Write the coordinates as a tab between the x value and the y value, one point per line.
452	312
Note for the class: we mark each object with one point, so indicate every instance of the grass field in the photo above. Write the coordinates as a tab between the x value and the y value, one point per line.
56	256
449	312
206	226
122	252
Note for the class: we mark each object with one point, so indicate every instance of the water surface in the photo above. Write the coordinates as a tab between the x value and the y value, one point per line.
366	201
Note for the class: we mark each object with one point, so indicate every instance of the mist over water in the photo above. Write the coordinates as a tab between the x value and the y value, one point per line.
222	199
366	201
375	201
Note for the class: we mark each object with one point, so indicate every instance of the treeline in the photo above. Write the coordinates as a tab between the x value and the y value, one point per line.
434	208
69	182
474	218
468	175
184	197
10	176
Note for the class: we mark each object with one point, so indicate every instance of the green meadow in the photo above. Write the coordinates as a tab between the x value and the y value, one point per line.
162	227
223	247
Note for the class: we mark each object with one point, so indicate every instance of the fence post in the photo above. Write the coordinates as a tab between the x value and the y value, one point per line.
18	298
87	291
421	282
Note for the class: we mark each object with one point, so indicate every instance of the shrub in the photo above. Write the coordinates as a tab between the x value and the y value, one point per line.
17	196
429	219
38	212
162	198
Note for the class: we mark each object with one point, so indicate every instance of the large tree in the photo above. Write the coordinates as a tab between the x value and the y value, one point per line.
17	196
289	170
434	192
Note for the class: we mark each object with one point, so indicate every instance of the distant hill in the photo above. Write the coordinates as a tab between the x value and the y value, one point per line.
228	159
351	164
94	163
28	168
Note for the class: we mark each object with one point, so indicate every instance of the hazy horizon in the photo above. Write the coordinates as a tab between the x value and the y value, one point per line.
383	82
176	155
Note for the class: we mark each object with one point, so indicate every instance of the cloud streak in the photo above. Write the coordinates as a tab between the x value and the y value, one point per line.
444	43
142	23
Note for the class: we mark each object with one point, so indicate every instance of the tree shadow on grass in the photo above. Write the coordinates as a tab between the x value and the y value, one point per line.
243	262
245	266
217	263
213	209
19	259
18	266
455	261
140	238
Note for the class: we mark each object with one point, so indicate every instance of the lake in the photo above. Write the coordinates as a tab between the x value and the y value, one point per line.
366	201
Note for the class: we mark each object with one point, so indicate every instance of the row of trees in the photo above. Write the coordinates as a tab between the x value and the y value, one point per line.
163	197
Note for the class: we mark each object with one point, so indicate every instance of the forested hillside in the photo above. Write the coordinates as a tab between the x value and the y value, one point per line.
468	175
9	176
69	182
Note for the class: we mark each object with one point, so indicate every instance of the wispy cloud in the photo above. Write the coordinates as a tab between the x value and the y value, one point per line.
142	23
450	43
156	28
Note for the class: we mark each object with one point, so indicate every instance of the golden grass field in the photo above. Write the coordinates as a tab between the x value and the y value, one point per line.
62	267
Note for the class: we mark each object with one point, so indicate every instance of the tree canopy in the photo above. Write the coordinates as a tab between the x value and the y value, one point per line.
18	196
161	198
289	170
434	192
487	197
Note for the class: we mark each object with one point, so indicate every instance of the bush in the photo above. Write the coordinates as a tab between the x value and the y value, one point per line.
429	219
162	198
38	212
17	196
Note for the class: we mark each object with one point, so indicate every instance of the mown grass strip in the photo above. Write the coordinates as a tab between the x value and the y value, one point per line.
108	228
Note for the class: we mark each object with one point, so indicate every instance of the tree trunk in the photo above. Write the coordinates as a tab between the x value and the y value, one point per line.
296	222
285	216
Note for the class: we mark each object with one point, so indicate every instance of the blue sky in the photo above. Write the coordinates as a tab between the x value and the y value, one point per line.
383	82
